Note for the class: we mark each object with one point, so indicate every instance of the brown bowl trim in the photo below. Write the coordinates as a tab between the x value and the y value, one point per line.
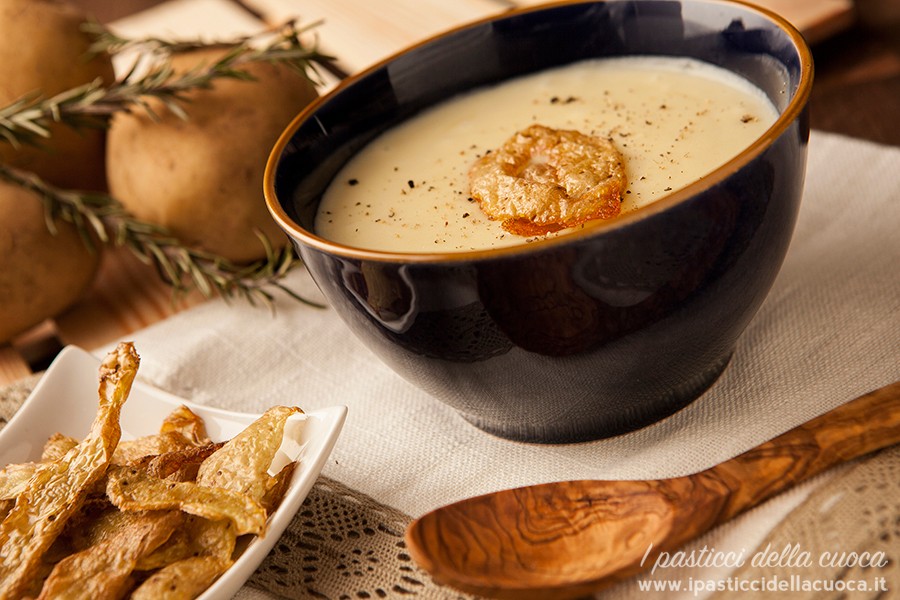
784	121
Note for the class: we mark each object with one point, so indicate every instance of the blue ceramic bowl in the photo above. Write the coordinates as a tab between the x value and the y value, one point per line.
598	332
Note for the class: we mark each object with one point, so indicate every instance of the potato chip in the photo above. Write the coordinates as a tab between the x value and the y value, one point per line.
14	478
182	429
104	570
214	538
277	487
130	488
178	547
57	446
181	465
158	516
96	522
55	491
197	537
543	180
182	580
242	464
186	423
130	452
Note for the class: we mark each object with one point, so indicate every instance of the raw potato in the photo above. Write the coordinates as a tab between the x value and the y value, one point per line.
203	177
40	274
42	49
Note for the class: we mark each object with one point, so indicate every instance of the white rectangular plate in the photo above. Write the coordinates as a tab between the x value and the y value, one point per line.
65	401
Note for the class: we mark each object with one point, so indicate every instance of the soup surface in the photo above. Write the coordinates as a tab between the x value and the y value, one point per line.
673	120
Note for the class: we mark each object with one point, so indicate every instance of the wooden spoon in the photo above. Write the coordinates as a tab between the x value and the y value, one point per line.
567	539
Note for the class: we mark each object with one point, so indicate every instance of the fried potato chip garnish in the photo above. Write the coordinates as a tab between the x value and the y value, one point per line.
97	521
182	429
77	524
104	570
130	489
181	465
242	464
178	547
182	580
213	538
197	537
14	478
186	423
57	446
278	486
57	488
131	452
542	180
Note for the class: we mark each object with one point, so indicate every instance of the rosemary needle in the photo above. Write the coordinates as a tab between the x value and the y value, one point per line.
101	218
93	104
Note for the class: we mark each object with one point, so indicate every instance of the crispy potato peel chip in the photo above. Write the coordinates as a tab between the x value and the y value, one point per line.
543	180
187	424
131	488
181	465
155	517
182	580
197	537
57	446
57	488
14	478
242	464
104	570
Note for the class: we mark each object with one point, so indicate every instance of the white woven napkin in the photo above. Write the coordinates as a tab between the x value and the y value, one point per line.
829	331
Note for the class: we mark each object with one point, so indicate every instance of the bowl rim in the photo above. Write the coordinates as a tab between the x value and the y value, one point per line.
787	117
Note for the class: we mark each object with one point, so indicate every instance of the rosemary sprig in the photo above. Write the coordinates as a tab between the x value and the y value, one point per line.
27	119
101	217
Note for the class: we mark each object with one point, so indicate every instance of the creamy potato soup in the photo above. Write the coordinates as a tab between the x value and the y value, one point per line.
673	121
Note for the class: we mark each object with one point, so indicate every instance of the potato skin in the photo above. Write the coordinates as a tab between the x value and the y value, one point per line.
42	49
40	274
203	178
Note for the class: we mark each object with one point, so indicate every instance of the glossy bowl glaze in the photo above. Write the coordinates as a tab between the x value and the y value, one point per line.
587	335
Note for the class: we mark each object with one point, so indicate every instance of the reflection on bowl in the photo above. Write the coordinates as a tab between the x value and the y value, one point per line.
590	334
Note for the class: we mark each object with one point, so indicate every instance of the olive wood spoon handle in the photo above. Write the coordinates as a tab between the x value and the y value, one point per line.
571	538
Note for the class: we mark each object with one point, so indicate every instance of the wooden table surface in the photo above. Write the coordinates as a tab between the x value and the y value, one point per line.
856	46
